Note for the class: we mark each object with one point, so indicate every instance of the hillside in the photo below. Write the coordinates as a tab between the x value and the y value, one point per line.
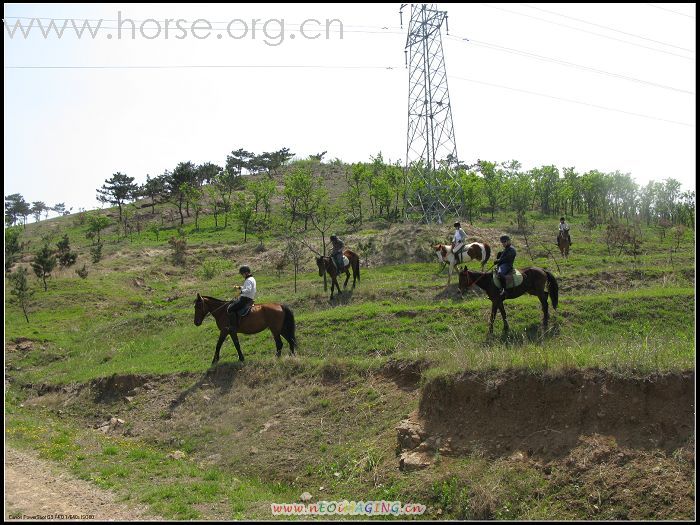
396	392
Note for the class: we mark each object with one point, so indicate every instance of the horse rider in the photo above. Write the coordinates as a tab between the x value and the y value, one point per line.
245	299
458	240
564	230
337	252
504	262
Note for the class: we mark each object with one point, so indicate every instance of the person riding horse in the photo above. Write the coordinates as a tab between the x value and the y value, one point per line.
245	299
564	230
504	262
458	240
337	252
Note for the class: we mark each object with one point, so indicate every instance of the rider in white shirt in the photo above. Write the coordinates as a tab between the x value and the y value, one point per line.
245	299
460	237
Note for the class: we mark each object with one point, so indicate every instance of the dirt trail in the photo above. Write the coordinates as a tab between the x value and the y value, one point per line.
37	490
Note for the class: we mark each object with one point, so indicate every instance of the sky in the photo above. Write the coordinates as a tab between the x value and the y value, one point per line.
592	86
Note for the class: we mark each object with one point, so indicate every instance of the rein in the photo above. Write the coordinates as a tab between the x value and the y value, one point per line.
479	279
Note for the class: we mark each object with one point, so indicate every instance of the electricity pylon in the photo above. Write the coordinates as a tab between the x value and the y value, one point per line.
430	140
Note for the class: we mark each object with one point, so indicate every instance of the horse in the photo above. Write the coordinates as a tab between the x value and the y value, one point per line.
564	241
277	317
534	281
325	264
476	250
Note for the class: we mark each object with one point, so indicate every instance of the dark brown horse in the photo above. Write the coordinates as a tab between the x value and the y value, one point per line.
277	317
325	264
534	282
564	241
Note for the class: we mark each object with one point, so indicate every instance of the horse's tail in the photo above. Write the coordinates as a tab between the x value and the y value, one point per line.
488	252
289	327
553	289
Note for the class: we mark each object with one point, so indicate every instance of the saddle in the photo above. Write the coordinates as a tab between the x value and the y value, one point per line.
346	263
513	279
245	311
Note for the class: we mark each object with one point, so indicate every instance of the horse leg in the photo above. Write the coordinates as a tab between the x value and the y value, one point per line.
234	337
494	306
222	338
449	274
545	308
278	343
502	308
347	278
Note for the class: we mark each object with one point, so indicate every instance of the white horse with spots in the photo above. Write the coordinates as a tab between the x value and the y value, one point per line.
479	251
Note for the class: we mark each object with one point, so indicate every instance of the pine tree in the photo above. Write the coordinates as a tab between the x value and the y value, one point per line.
20	289
44	263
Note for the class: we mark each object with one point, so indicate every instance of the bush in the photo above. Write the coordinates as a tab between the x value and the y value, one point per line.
179	246
82	272
96	252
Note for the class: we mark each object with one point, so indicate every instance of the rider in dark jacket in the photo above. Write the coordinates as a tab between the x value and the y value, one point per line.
504	261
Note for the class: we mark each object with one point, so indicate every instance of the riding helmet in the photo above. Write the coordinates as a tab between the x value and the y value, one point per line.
244	269
504	238
457	225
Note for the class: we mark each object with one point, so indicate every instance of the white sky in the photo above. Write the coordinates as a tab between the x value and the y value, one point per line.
68	130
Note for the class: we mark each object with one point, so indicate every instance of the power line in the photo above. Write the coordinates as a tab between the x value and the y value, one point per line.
574	101
385	68
590	32
565	63
671	11
262	66
609	28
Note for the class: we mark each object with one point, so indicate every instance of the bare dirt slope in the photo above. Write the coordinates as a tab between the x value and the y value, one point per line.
36	489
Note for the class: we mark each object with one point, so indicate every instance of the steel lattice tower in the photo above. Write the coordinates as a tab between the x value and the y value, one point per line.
430	141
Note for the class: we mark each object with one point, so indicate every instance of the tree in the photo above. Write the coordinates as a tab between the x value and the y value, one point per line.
244	213
206	172
471	188
237	161
194	195
16	207
323	218
262	191
13	247
224	184
118	190
294	251
37	209
66	257
153	188
185	172
20	290
296	184
97	223
492	184
44	263
59	208
354	178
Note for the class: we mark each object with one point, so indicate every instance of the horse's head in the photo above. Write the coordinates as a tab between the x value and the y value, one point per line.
440	251
321	266
200	310
465	280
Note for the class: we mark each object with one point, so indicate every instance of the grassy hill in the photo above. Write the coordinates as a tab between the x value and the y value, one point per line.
224	442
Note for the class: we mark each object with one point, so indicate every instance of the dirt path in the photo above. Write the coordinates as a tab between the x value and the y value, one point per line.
38	490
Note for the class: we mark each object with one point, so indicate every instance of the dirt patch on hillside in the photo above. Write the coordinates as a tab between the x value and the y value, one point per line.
543	416
38	490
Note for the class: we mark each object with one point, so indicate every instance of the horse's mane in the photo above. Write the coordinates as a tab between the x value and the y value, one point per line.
214	299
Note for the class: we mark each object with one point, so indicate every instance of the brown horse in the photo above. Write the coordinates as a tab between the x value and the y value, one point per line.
277	317
325	264
534	281
564	241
